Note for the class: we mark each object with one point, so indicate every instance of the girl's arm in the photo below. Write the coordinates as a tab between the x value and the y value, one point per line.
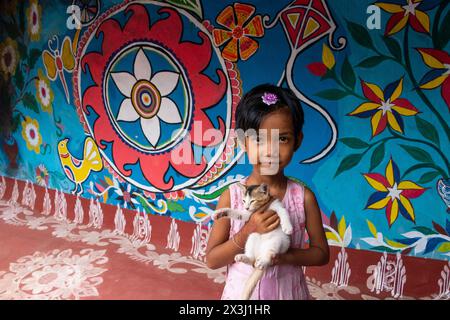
221	250
318	253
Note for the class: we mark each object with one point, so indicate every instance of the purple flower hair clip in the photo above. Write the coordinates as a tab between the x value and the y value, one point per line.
269	98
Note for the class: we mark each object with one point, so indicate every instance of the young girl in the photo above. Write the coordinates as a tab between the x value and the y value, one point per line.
276	112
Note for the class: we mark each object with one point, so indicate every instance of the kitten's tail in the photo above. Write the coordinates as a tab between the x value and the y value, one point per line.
251	283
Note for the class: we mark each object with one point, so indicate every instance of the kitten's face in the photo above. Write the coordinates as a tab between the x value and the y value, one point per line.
254	196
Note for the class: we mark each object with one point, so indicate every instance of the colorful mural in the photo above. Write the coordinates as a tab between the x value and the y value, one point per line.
132	103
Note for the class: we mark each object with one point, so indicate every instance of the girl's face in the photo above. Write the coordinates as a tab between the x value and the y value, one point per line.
272	147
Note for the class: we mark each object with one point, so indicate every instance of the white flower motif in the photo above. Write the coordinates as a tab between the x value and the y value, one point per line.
146	97
394	192
9	214
386	106
54	275
34	20
43	92
8	63
126	195
9	56
49	277
37	223
410	8
95	237
30	132
42	175
63	230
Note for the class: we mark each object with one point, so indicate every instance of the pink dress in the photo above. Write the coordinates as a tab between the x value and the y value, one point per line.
280	282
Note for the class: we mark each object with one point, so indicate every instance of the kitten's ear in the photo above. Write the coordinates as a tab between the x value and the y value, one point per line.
242	186
264	188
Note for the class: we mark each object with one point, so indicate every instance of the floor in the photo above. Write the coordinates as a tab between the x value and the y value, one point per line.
42	257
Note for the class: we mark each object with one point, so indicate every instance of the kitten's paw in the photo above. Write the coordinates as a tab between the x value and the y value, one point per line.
219	213
243	258
262	263
287	229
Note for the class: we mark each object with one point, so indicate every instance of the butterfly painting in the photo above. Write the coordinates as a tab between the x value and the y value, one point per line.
58	60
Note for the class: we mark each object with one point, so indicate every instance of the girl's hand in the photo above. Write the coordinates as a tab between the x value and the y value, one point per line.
262	222
276	260
281	258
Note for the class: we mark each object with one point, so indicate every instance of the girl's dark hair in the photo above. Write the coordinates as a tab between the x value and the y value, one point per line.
251	109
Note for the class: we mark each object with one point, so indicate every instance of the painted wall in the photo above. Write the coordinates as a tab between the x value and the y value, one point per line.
105	96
